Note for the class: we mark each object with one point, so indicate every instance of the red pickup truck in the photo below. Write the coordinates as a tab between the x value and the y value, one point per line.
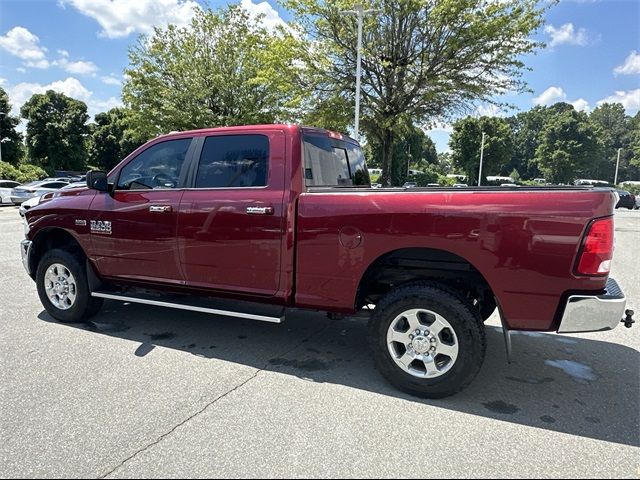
252	221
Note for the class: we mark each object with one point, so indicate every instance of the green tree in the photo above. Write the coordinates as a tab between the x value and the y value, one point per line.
615	131
412	149
422	59
526	128
111	139
56	131
466	140
634	147
223	69
568	147
12	148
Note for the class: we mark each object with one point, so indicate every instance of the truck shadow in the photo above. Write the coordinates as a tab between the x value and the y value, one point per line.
559	383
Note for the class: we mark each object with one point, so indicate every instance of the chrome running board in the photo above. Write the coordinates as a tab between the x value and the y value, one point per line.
193	308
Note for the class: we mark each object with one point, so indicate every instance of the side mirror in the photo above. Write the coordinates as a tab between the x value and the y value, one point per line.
97	180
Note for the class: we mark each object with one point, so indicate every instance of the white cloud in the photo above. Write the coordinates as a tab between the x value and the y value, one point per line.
568	34
95	105
630	99
23	44
440	127
120	18
63	53
630	66
110	80
271	19
70	86
77	68
581	105
550	96
489	110
21	70
22	92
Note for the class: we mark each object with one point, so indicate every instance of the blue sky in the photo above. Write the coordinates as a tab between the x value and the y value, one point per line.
79	47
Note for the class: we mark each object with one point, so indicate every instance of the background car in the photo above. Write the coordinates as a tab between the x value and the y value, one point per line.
5	190
32	202
410	185
627	200
35	189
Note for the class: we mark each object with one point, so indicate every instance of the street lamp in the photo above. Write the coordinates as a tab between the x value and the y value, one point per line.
360	12
615	179
481	157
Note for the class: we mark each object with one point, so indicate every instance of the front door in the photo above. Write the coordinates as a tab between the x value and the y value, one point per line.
133	229
231	221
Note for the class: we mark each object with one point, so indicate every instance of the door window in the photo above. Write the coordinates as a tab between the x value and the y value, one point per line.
159	166
233	161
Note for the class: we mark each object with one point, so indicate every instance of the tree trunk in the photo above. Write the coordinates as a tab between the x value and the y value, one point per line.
387	152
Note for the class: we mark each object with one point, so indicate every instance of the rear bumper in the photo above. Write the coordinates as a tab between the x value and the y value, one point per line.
594	313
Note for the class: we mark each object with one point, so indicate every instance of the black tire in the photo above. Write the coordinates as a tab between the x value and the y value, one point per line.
461	315
85	305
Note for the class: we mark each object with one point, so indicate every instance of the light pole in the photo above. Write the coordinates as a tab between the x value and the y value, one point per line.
615	179
360	12
481	158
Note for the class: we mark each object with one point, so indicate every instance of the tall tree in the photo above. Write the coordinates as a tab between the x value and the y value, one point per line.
568	147
56	131
12	149
223	69
466	141
526	128
413	148
111	139
634	148
615	132
422	58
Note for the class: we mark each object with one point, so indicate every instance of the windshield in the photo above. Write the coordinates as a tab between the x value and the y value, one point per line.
329	162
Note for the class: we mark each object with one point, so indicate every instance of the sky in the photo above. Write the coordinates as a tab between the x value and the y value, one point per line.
79	47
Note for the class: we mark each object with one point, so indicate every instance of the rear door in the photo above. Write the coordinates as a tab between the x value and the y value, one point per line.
133	230
231	220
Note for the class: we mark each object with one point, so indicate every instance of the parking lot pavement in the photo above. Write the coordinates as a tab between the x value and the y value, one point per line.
147	392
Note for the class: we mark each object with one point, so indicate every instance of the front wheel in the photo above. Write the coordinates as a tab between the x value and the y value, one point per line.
62	285
427	340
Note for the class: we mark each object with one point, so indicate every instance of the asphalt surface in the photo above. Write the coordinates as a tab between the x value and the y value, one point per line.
148	392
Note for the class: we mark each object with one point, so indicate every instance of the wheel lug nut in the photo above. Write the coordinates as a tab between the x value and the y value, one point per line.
432	340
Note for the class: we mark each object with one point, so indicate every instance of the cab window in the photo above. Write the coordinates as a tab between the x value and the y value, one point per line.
158	167
231	161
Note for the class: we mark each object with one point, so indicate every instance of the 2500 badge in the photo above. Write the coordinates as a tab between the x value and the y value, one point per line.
98	226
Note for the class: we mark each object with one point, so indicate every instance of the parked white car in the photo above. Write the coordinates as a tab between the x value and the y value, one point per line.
35	189
5	190
32	202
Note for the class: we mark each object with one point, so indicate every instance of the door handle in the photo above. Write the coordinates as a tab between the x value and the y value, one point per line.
160	208
253	210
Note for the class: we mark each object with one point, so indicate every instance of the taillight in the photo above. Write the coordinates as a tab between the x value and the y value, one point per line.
597	248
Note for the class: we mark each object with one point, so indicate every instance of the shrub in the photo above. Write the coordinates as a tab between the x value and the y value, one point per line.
24	173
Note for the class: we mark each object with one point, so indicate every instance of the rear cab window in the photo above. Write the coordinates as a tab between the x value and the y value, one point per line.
233	161
331	162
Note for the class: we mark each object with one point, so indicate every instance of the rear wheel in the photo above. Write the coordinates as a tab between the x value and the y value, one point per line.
427	340
62	285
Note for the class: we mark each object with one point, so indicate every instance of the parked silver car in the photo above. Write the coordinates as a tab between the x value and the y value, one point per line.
35	189
5	190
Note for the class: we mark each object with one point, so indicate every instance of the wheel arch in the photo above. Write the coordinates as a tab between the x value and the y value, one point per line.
50	238
405	265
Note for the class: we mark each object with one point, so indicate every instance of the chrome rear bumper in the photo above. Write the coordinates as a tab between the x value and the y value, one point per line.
594	313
